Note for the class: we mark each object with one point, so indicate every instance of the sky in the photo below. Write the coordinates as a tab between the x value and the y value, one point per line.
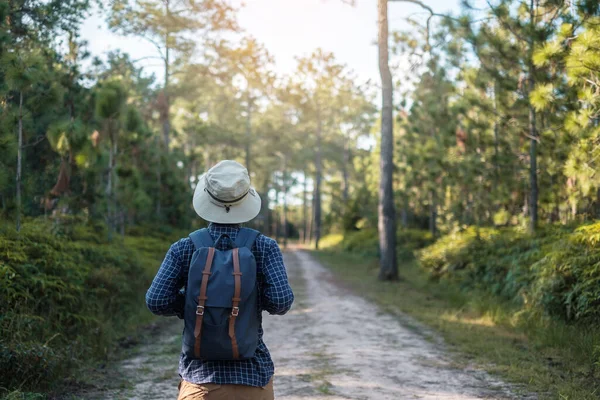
290	29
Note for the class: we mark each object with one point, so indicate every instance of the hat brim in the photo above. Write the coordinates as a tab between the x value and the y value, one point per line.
239	213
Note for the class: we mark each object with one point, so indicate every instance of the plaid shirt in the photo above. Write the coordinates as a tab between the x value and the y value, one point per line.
275	297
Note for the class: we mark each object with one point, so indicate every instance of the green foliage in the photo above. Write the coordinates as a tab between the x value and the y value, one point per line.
366	242
542	96
110	100
555	273
65	295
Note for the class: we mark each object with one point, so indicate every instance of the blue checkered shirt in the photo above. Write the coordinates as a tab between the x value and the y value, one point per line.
275	297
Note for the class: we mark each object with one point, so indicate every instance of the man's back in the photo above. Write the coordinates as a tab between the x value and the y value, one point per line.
223	196
275	297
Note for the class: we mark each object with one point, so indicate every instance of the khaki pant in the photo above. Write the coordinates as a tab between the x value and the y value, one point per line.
211	391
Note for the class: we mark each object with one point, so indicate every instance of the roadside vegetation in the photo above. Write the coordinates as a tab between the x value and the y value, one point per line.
66	296
520	306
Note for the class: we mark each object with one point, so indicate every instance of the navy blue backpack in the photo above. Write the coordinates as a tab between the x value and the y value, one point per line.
221	299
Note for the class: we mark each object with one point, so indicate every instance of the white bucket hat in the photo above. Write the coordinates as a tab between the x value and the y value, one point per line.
223	195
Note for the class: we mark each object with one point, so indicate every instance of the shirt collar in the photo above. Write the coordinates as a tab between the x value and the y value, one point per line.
215	226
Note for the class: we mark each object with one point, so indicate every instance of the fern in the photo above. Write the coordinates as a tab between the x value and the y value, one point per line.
63	281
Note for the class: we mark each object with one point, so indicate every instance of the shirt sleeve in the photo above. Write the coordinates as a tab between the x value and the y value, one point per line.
163	297
277	296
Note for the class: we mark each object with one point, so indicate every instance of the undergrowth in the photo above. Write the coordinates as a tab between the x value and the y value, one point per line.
66	295
554	273
527	307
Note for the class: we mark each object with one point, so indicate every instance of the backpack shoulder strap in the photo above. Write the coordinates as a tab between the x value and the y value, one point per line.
201	238
246	238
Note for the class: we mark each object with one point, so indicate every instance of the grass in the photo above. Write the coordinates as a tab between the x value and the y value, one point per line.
543	356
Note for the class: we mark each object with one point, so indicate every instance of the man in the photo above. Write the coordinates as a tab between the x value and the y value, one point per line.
225	199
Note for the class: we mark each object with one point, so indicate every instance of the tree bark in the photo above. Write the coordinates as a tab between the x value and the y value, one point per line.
318	168
19	161
533	195
387	218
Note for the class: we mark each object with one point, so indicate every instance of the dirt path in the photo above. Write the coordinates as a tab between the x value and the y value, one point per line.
332	345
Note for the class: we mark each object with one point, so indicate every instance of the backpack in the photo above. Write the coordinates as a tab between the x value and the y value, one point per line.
221	299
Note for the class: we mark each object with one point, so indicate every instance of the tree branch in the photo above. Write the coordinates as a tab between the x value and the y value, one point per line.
504	24
431	15
38	140
147	58
158	46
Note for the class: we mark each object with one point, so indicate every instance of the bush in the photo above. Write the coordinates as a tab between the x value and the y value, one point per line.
556	272
409	240
366	241
567	280
65	295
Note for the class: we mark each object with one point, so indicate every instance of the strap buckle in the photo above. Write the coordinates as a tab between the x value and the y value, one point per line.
200	310
235	311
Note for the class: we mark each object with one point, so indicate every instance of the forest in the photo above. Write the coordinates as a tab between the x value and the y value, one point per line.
475	157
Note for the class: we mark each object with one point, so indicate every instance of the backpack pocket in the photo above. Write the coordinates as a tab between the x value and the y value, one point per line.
215	341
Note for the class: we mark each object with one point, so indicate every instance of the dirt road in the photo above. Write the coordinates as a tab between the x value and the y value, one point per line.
332	345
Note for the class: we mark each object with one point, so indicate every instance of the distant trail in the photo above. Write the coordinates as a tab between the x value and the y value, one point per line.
332	345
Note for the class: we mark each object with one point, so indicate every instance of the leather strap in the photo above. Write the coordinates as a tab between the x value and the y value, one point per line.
235	310
202	300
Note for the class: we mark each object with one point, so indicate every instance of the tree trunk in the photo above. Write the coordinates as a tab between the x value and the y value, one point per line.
311	221
386	211
248	132
19	161
158	179
304	208
318	168
404	213
275	213
533	195
345	162
433	214
285	210
193	162
166	122
109	179
118	217
496	134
